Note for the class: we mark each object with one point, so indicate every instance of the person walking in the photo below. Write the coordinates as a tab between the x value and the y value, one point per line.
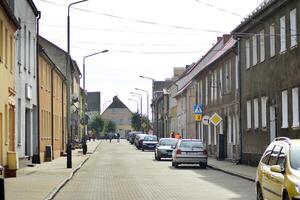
118	137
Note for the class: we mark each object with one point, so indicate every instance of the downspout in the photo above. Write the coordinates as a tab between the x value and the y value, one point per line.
63	116
240	98
52	114
37	159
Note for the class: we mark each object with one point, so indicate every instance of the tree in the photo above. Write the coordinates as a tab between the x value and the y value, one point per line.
145	124
136	122
110	127
97	125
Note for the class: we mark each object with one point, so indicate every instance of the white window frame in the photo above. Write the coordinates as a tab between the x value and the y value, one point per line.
295	104
264	100
255	108
206	90
272	40
247	47
234	122
282	34
215	85
215	135
249	120
211	87
285	112
262	45
229	129
209	134
293	27
221	82
254	49
236	72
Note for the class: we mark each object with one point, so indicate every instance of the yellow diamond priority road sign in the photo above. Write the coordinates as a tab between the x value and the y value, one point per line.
215	119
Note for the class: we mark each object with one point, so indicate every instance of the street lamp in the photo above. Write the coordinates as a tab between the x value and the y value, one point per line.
84	111
68	74
147	100
141	97
137	104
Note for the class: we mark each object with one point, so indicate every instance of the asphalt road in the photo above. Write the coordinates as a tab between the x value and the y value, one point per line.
117	171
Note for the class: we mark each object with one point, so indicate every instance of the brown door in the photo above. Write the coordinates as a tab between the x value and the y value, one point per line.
11	132
1	139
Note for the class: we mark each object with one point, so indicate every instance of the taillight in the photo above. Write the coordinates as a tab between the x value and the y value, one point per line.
178	151
205	152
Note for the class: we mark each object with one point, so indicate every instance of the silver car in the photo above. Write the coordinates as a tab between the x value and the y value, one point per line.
149	142
164	148
189	151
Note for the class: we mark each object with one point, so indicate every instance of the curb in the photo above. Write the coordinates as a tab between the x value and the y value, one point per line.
66	180
231	173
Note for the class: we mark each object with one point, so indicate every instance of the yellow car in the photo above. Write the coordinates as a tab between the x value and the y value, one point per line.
278	172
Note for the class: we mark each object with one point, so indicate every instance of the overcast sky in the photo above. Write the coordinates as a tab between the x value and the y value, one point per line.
144	37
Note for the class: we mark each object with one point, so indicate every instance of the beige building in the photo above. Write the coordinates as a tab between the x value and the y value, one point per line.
118	112
8	27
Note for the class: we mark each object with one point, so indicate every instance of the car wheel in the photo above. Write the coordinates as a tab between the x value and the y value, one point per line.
286	196
176	164
158	158
155	156
203	165
143	149
259	195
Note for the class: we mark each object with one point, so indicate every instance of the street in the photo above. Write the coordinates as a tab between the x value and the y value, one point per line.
119	171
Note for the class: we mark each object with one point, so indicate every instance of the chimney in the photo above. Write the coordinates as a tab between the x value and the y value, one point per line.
226	37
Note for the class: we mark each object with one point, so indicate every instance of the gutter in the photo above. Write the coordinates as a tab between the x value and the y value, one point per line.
240	97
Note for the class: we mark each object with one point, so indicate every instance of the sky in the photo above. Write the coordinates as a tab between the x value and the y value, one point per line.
144	37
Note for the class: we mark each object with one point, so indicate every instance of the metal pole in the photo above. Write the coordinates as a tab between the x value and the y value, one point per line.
141	97
147	100
2	188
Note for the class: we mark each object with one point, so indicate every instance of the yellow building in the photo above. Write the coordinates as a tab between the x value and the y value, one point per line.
8	27
52	94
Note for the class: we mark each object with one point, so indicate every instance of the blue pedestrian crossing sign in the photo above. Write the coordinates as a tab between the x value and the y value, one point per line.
198	109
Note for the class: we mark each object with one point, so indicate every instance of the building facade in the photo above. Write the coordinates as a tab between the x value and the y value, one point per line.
26	79
270	75
8	27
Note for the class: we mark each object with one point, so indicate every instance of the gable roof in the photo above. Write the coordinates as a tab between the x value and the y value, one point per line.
117	103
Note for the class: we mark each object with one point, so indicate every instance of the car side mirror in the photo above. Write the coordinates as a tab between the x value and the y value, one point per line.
277	169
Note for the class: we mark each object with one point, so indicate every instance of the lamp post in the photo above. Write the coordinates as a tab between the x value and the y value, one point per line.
85	92
147	100
137	104
141	97
68	75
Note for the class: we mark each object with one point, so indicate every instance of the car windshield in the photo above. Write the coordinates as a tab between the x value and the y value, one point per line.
150	138
295	157
167	142
191	144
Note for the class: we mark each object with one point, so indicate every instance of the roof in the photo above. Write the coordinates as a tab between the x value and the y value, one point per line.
215	53
117	103
10	13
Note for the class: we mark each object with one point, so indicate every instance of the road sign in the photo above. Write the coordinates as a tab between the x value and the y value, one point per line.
198	109
198	118
215	119
205	120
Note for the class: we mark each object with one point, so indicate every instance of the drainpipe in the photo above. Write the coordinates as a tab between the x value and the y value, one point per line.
63	117
240	97
37	159
52	114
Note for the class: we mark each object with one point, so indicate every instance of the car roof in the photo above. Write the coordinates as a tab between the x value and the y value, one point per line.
168	139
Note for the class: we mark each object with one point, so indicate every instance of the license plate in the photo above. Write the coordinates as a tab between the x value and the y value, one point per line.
194	153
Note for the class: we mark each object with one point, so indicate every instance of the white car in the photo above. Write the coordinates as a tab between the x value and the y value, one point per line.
189	151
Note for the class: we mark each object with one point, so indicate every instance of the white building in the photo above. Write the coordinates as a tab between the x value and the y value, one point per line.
26	81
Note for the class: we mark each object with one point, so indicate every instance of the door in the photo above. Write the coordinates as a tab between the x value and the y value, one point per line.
272	123
27	132
11	146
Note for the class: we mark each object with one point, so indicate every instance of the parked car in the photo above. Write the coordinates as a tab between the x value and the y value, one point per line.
164	148
132	136
189	151
278	172
149	142
138	141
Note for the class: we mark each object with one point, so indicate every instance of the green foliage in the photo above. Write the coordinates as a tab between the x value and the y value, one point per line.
140	123
110	127
97	125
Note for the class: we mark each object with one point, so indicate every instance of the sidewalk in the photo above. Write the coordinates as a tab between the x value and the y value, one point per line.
243	171
43	180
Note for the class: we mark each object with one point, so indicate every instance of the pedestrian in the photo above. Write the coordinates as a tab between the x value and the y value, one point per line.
118	137
110	136
94	137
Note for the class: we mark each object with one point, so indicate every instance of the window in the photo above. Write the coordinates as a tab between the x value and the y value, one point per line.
274	155
284	109
236	72
200	92
293	27
215	135
25	47
229	130
254	49
262	45
264	111
272	40
206	90
255	105
295	110
19	37
215	85
211	87
11	52
228	76
209	134
247	47
282	34
29	51
234	122
248	114
6	47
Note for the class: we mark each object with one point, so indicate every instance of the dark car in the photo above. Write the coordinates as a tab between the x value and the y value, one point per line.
132	136
150	142
138	141
165	148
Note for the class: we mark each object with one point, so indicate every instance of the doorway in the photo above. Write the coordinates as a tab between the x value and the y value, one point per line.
27	132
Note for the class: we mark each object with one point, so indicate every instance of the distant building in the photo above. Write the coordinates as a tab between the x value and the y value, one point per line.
93	104
120	114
